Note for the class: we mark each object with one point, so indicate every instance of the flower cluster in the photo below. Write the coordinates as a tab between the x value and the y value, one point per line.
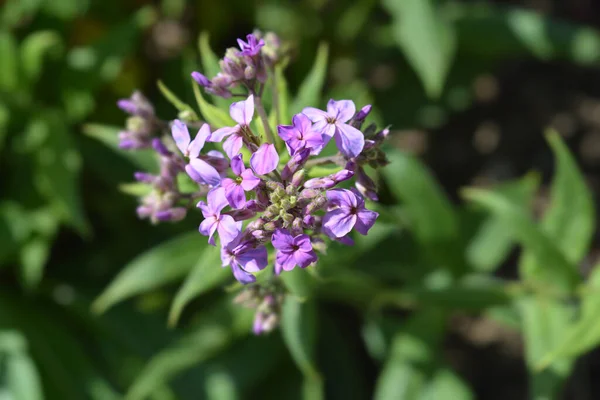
260	194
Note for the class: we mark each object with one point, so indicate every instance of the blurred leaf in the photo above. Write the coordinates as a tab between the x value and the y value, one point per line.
310	91
216	117
214	334
34	255
58	166
493	241
145	160
445	384
210	65
552	268
9	68
411	358
66	9
569	219
354	19
206	274
584	334
22	378
299	282
4	120
136	189
545	323
432	217
174	100
164	263
298	327
427	40
33	50
14	12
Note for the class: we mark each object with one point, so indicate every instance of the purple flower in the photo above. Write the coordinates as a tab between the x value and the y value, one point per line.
219	85
214	221
137	104
300	135
346	211
198	169
245	181
243	259
292	250
349	140
252	47
265	159
330	180
242	113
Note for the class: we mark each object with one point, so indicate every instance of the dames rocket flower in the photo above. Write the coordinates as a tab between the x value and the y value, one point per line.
276	203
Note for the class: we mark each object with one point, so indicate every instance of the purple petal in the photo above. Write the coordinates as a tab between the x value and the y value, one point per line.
342	198
254	260
249	180
198	143
365	220
314	114
265	159
243	111
241	275
349	140
302	122
235	195
283	240
237	165
208	227
181	135
232	145
216	200
303	242
201	79
286	132
228	229
285	261
201	171
304	259
342	110
339	222
128	106
206	211
219	134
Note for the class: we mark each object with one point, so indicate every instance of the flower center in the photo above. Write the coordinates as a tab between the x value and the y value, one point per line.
330	120
238	180
354	210
295	247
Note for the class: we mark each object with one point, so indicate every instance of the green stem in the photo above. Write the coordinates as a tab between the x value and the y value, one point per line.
263	117
336	159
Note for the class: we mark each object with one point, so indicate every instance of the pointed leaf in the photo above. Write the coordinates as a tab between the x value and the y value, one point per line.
310	91
33	50
163	264
216	117
174	100
298	327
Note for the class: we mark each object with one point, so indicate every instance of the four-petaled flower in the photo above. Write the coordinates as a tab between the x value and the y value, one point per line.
300	135
252	47
245	181
242	113
198	169
346	211
292	251
244	258
332	123
265	159
214	221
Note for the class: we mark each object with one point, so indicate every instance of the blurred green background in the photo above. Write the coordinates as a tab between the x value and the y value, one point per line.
431	305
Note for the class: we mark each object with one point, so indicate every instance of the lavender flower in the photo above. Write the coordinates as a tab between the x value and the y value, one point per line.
265	159
245	181
138	105
252	47
300	135
214	221
292	251
332	123
242	113
244	258
346	211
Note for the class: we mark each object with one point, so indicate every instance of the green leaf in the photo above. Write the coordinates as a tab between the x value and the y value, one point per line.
164	263
427	40
34	256
545	323
431	216
413	353
310	91
109	136
445	384
493	241
218	328
206	274
66	9
58	166
33	50
216	117
210	62
299	282
137	189
22	378
174	100
552	267
14	12
298	327
9	68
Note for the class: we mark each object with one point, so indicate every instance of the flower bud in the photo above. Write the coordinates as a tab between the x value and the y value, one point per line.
309	193
298	178
315	205
285	204
272	185
287	218
270	226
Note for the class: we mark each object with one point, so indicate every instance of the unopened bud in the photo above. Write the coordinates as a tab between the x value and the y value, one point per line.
297	224
298	178
187	115
315	205
272	185
285	204
287	218
309	193
270	226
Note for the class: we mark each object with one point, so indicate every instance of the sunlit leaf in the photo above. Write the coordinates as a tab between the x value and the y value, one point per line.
174	100
9	67
34	256
215	116
163	264
311	89
33	50
427	40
